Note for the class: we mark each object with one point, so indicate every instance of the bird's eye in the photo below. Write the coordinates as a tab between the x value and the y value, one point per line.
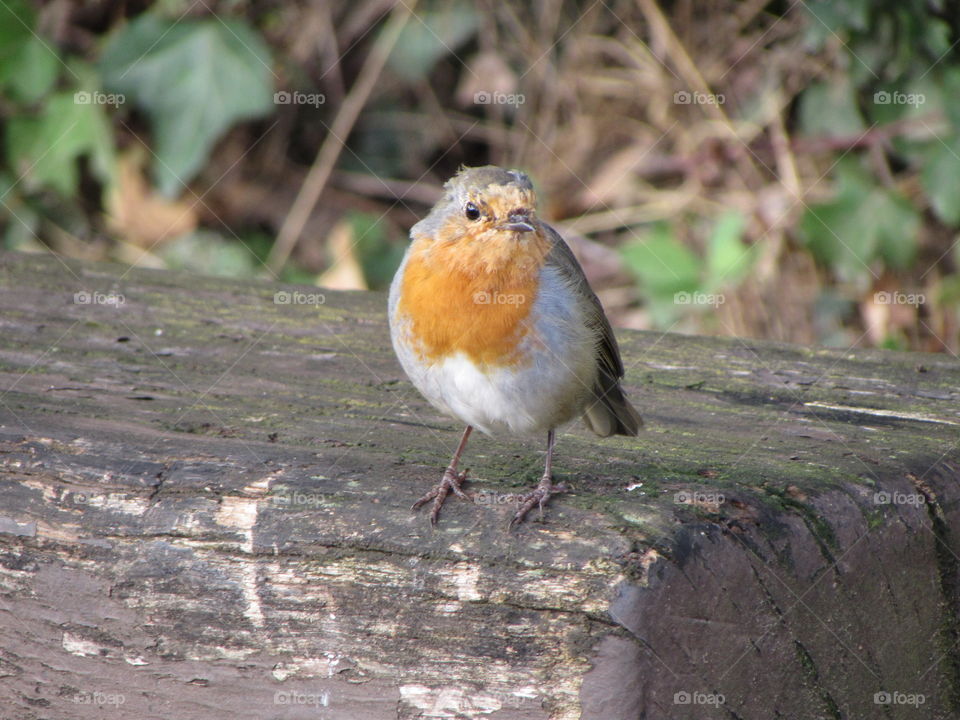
472	211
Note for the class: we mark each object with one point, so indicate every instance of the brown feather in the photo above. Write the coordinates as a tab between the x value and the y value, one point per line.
609	412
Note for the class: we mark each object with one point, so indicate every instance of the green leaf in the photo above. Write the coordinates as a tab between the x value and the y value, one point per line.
194	79
664	268
728	257
662	264
940	176
30	73
208	253
895	342
838	16
45	148
834	230
378	257
898	226
951	94
915	100
936	35
22	228
863	223
949	293
16	21
830	109
429	35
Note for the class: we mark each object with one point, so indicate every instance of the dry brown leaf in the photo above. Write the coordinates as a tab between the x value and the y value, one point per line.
345	272
886	309
140	216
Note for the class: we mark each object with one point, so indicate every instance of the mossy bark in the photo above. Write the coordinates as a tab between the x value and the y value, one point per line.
205	510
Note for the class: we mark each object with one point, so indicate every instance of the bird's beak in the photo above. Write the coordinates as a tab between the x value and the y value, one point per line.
517	222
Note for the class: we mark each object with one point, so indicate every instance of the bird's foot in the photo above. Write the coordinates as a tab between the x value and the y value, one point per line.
536	498
451	481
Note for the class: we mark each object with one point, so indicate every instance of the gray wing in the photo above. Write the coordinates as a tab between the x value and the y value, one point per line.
609	412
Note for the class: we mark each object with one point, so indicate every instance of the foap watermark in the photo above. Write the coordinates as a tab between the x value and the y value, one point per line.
83	97
898	498
699	298
515	699
292	697
489	497
295	498
885	697
485	297
284	97
100	699
898	298
698	698
85	297
498	98
695	497
295	297
685	97
883	97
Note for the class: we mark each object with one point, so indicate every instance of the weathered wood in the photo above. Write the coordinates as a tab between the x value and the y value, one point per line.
204	512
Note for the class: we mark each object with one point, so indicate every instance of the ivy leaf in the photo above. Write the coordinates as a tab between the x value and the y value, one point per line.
194	80
431	34
16	19
898	226
941	178
728	258
862	223
208	253
378	257
45	148
31	72
951	94
664	268
830	109
661	263
834	16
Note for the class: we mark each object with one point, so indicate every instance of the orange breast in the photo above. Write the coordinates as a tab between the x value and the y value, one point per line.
473	300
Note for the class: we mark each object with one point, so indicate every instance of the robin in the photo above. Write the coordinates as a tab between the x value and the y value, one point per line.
495	324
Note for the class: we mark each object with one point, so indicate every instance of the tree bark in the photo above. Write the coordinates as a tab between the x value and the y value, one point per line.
205	512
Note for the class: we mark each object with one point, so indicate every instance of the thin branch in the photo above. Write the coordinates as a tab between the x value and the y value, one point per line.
343	123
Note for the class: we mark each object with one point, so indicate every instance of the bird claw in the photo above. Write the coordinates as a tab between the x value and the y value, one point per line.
450	482
536	498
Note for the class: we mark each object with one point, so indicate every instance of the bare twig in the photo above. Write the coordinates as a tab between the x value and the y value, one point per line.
343	123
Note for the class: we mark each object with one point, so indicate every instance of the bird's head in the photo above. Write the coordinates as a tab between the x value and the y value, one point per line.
483	206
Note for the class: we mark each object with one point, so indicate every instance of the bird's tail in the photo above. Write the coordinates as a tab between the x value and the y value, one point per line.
609	412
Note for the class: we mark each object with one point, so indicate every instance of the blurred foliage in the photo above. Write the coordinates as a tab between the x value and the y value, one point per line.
899	70
674	276
439	31
782	170
194	80
866	225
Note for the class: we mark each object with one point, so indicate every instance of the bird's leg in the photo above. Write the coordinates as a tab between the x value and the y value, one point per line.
539	495
451	480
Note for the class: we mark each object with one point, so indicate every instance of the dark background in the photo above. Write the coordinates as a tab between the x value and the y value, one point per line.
776	170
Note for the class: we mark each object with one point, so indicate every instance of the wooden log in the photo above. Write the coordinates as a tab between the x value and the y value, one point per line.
205	491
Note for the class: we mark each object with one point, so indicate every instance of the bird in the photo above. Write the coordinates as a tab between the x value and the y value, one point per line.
494	322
